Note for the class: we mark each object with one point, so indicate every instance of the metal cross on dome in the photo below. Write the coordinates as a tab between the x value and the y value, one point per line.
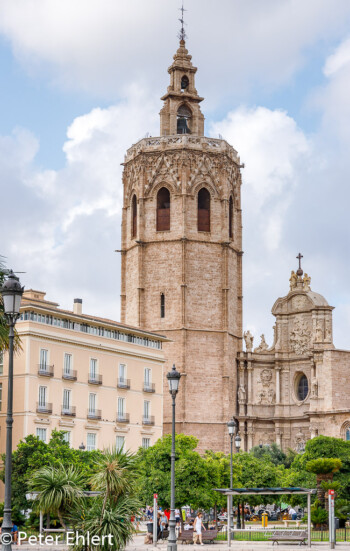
182	34
299	257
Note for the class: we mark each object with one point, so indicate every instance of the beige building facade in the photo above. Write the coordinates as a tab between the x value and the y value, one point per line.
182	256
99	381
299	387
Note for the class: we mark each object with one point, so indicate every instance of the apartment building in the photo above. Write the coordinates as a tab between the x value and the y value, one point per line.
99	381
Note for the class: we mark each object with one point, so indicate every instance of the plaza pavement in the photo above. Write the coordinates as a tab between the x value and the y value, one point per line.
138	545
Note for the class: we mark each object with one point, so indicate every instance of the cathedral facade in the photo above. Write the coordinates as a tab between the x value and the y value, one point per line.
299	387
181	277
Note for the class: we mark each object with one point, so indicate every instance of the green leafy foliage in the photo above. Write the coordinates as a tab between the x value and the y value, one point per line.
324	465
59	487
274	454
32	454
194	474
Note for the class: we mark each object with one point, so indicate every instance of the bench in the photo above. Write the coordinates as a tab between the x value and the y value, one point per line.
187	535
289	535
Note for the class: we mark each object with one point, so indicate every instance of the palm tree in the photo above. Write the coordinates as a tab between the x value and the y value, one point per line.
114	474
112	510
59	489
324	468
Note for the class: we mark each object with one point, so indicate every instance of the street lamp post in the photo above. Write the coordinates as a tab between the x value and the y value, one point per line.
11	295
173	377
231	425
238	447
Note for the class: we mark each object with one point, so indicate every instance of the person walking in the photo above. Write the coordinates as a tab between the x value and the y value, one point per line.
197	529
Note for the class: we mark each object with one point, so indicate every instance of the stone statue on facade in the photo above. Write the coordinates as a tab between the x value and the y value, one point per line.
248	338
307	281
263	346
319	334
299	442
314	388
293	280
241	394
271	396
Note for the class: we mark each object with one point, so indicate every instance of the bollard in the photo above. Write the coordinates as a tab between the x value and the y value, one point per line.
264	519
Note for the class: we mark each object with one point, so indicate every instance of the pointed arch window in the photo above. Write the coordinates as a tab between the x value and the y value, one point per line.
184	115
204	210
134	216
230	217
163	209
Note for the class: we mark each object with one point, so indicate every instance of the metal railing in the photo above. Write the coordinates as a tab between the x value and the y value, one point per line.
257	533
46	370
123	417
43	408
95	379
69	411
149	387
123	383
69	375
148	420
94	414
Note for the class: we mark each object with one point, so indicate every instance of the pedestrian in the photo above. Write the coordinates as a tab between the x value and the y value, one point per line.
293	513
197	529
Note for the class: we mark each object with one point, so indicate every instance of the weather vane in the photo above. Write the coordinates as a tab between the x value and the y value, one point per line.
182	34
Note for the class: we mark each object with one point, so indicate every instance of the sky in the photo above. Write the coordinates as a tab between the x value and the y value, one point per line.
81	82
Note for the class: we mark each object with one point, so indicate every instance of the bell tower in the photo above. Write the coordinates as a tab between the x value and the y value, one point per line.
182	256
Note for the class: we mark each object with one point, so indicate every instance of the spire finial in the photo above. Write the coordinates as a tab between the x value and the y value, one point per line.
300	270
182	34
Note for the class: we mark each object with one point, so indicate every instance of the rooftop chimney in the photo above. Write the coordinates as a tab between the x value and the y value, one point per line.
78	306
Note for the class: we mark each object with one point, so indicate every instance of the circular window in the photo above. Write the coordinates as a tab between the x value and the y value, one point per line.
302	387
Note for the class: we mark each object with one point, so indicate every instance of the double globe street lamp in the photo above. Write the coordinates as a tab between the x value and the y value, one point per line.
11	295
173	377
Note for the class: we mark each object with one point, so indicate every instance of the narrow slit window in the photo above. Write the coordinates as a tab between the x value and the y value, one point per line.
162	305
204	210
134	216
230	215
163	209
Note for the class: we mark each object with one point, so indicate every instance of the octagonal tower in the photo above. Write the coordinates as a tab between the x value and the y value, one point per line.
182	256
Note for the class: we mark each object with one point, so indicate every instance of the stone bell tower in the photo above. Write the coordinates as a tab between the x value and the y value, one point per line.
182	256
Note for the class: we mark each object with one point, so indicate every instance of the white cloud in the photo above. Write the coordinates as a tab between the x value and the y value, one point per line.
271	146
101	46
68	220
338	60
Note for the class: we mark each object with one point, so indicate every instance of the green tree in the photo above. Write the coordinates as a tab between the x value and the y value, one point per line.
113	475
195	476
271	452
259	473
32	454
324	469
59	488
111	512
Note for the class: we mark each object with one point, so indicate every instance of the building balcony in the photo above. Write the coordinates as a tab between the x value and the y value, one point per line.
46	370
123	383
95	379
148	420
123	418
149	387
94	414
43	408
69	375
69	411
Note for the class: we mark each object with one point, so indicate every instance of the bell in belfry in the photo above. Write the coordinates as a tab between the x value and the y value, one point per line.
182	127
